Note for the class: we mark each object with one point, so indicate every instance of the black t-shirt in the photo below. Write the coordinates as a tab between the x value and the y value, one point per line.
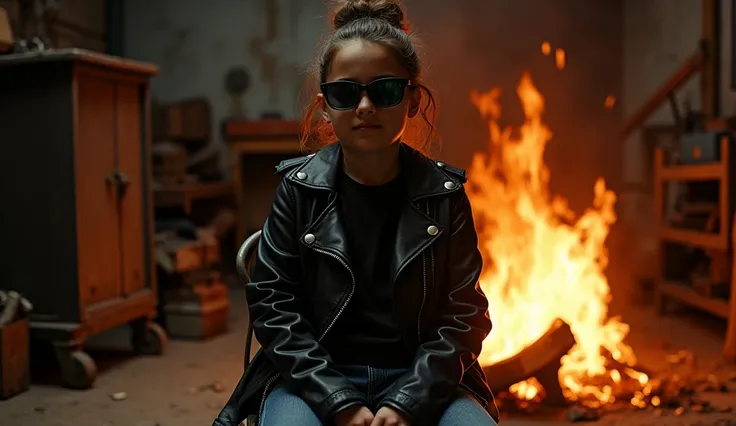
367	332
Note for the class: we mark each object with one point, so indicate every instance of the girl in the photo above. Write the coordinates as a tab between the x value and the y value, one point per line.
365	293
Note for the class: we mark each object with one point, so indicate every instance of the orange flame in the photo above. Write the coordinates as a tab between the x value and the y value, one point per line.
541	261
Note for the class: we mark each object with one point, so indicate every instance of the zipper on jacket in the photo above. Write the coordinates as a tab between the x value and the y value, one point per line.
350	295
424	291
273	378
424	297
270	381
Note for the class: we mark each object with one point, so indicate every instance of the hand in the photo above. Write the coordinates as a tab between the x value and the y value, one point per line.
389	417
356	415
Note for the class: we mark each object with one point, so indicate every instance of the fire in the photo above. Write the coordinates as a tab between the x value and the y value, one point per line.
542	261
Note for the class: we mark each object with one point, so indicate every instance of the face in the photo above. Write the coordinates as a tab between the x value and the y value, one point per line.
368	127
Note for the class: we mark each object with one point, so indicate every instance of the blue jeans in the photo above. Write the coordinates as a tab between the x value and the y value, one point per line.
283	407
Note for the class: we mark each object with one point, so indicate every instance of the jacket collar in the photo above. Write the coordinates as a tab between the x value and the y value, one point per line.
424	177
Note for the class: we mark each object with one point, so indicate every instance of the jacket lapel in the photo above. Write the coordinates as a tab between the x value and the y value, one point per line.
320	173
417	230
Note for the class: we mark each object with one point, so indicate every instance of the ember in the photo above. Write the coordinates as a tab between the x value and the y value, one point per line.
560	60
546	48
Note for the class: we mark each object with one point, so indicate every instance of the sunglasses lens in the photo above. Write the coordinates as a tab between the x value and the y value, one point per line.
342	95
386	93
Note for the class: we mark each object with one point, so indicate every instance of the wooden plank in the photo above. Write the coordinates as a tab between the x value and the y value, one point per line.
6	31
122	310
238	149
689	296
729	348
236	130
113	65
184	195
693	172
694	238
678	78
725	201
268	147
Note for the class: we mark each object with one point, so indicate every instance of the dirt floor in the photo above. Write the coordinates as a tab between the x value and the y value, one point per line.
190	384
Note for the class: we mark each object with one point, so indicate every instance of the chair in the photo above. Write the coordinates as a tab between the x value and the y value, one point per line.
244	264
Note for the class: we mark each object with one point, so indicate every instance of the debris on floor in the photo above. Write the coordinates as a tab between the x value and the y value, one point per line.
119	396
679	389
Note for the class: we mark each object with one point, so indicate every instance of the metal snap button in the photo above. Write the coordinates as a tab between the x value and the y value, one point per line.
432	230
301	175
450	185
309	238
440	164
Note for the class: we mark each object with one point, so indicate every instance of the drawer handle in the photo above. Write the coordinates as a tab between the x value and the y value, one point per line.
119	180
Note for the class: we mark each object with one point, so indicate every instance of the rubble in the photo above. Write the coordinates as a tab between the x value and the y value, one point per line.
215	387
678	390
119	396
13	307
578	413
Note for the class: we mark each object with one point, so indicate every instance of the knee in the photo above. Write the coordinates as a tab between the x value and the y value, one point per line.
466	411
283	407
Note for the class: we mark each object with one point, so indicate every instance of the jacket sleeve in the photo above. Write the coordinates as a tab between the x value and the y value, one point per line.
455	338
275	299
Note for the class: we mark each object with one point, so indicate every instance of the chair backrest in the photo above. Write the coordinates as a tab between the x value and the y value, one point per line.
244	262
246	256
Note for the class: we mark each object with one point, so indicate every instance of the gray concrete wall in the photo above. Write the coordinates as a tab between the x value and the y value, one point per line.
195	44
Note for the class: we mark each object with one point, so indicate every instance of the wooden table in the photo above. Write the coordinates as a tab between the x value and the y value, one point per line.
184	194
251	138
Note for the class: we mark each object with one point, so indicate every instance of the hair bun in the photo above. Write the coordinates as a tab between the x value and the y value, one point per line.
347	11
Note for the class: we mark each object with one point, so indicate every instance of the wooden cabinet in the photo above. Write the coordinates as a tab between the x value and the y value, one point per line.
76	215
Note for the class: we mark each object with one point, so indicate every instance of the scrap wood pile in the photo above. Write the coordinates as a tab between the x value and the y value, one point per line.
181	150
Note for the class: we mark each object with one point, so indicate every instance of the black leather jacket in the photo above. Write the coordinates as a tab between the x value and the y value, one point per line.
302	282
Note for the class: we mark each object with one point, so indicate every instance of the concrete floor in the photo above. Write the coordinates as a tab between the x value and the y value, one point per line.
190	384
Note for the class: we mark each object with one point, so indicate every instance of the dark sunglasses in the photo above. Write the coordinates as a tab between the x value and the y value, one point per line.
384	92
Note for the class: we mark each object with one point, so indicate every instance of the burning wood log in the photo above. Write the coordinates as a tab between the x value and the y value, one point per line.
541	360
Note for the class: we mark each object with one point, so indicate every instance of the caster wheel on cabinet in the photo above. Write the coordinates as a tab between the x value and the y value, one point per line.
78	370
149	339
